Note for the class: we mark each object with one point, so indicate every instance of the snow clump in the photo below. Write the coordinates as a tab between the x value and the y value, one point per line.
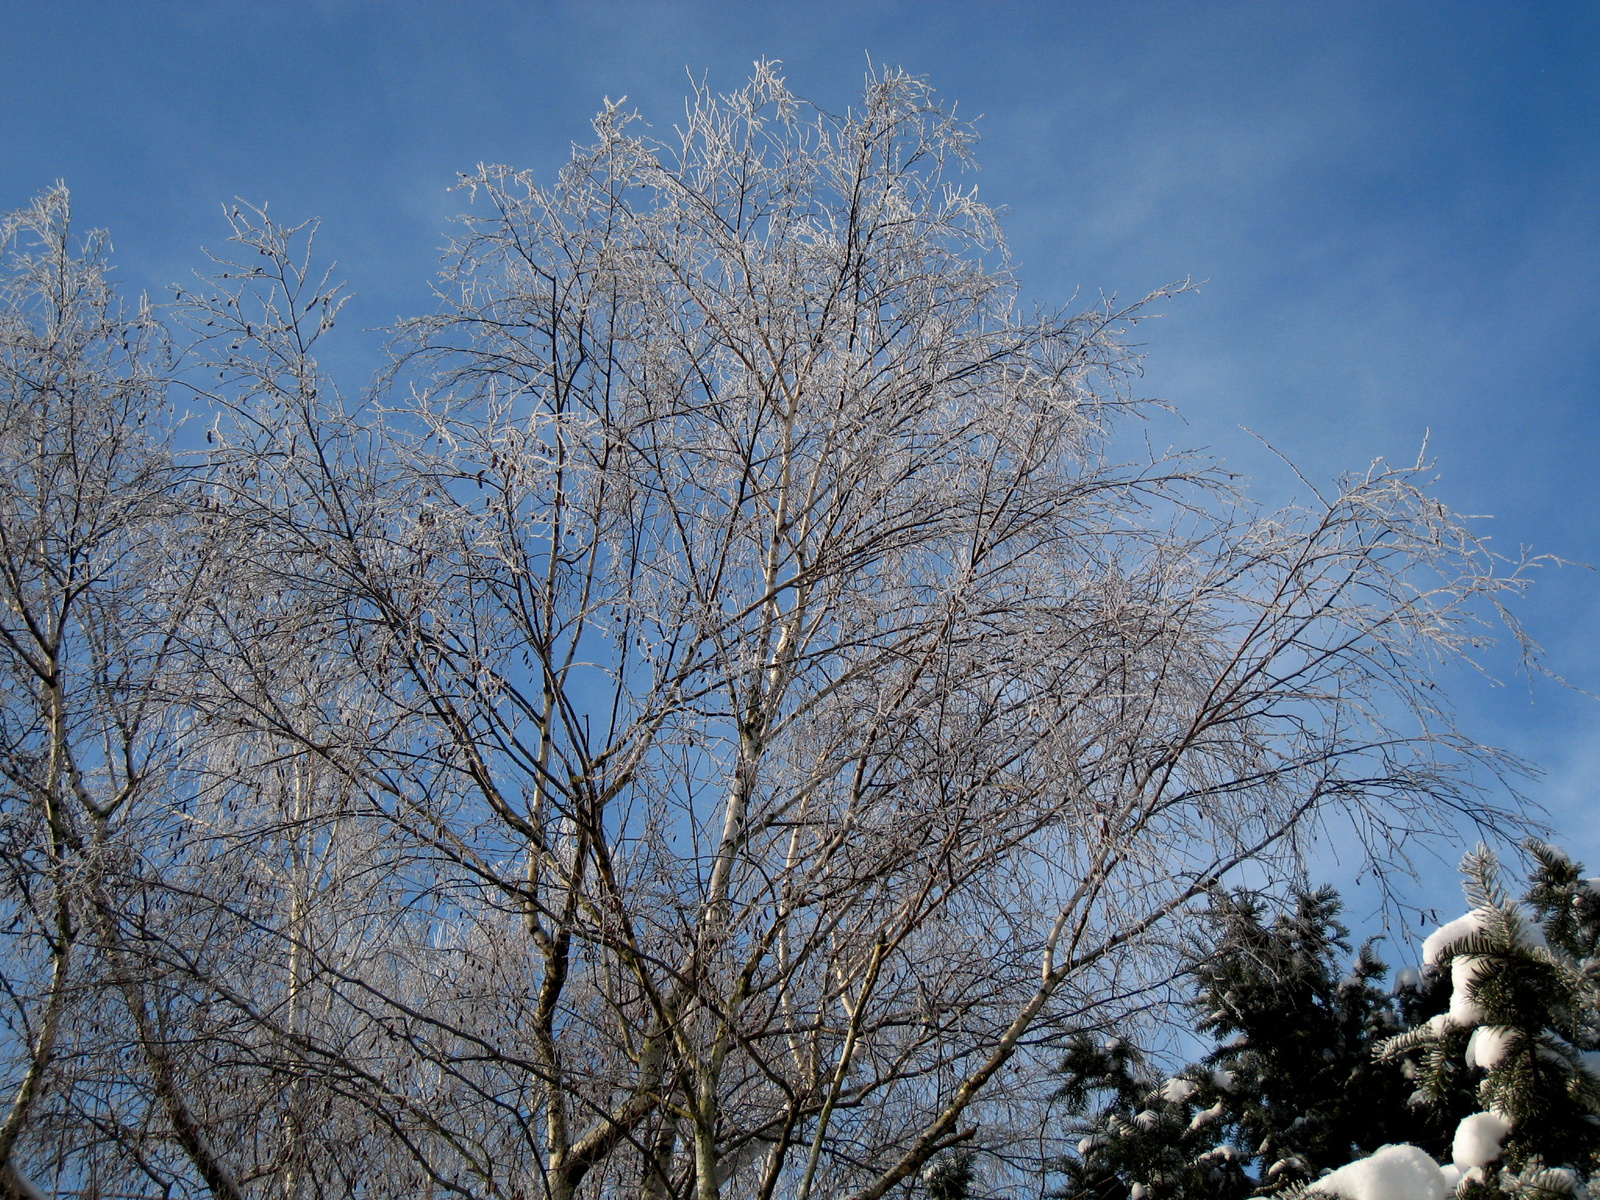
1437	1025
1489	1045
1176	1091
1464	971
1477	1140
1402	1172
1527	932
1434	946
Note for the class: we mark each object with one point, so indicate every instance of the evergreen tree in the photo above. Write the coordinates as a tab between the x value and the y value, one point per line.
1497	1071
1290	1089
1143	1138
1296	1033
1520	1028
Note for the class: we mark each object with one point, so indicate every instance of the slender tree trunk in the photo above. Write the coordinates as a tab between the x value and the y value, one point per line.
301	883
61	938
17	1186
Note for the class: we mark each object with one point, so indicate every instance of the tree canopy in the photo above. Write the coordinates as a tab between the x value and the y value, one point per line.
715	718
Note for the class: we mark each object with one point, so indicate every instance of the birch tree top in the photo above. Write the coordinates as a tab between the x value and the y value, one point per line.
1391	206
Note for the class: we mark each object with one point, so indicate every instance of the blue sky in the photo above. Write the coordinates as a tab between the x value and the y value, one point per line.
1395	206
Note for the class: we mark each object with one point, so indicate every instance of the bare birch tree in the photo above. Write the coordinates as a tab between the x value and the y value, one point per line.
713	719
802	718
